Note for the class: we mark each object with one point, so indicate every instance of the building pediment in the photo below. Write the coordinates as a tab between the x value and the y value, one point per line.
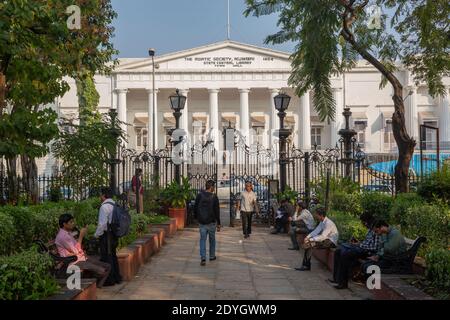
227	55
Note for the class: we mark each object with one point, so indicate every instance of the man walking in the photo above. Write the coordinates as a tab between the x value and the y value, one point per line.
247	205
207	213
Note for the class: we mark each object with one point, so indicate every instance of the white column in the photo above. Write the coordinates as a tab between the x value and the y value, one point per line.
337	124
275	121
122	108
214	116
305	122
444	121
245	114
412	117
152	114
185	116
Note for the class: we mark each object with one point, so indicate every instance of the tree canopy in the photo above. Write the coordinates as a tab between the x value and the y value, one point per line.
330	36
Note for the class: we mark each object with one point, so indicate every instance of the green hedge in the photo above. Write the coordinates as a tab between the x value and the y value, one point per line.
402	203
377	204
431	221
438	268
20	226
347	202
348	226
436	185
26	276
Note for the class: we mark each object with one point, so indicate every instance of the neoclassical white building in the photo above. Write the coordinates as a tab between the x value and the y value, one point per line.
235	83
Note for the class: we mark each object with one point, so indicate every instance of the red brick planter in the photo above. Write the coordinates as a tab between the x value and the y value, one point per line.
179	215
147	248
153	242
88	291
321	255
139	258
161	233
394	287
165	226
126	261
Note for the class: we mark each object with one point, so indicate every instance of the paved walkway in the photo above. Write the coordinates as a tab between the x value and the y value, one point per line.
257	268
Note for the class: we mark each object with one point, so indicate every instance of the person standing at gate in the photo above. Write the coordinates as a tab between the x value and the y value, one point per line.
137	194
207	213
247	206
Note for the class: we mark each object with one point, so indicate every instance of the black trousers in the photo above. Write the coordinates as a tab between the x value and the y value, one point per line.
246	222
344	260
108	248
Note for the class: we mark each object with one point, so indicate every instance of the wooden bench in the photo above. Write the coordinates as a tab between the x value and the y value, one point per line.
61	263
404	263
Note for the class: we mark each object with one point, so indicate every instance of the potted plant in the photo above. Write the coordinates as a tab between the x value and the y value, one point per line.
176	197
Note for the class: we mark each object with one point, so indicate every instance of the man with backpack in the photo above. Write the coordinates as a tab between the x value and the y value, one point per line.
107	224
207	213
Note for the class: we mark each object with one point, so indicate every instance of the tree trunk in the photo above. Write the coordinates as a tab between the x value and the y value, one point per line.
13	181
2	92
30	178
405	143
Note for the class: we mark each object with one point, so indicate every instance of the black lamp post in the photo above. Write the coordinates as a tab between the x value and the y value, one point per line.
347	135
177	104
113	161
281	104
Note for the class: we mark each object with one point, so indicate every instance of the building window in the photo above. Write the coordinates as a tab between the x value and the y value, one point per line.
199	130
389	141
360	127
316	137
430	135
141	137
258	135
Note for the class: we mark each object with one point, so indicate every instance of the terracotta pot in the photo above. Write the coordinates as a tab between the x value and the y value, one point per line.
179	215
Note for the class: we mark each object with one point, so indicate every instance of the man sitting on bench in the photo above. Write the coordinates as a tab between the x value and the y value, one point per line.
392	245
324	236
285	211
68	246
301	223
348	253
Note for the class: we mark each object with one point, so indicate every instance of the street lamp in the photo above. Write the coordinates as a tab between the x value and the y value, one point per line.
281	105
113	153
328	164
177	104
151	53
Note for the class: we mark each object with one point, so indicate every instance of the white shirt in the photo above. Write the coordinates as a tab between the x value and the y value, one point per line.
325	230
104	217
307	218
247	200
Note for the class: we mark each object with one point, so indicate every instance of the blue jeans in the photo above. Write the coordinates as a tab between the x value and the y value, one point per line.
205	230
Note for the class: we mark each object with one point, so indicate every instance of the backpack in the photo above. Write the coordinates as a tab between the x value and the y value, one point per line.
120	221
205	214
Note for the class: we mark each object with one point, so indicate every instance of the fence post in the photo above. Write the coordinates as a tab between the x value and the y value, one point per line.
156	176
347	135
307	179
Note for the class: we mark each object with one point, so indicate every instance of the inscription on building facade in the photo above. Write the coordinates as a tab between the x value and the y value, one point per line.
222	62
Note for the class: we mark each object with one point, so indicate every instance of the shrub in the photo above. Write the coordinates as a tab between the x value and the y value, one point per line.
7	234
158	219
402	203
377	204
336	185
26	276
348	226
436	185
23	224
431	221
347	202
438	268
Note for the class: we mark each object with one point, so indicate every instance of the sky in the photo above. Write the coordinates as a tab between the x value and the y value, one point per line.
174	25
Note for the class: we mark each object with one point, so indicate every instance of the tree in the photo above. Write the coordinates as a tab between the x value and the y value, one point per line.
95	141
38	51
332	34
